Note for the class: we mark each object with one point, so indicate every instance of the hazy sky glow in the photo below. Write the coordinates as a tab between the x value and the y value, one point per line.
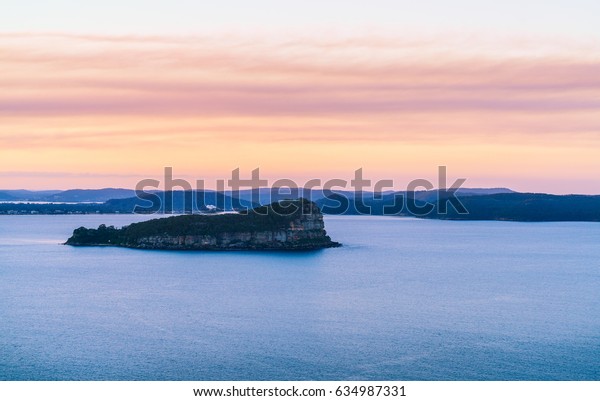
504	95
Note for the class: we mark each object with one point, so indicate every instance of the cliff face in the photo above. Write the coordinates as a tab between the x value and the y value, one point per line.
287	225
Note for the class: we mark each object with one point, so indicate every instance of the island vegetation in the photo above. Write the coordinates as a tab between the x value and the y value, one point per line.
284	225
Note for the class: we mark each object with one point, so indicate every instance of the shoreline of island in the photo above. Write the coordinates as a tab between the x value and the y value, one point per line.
286	225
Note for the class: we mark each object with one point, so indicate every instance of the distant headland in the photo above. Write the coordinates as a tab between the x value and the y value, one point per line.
285	225
500	204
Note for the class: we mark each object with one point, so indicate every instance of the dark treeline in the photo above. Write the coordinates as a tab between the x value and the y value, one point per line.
426	204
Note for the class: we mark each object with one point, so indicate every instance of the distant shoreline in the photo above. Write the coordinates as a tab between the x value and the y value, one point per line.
442	205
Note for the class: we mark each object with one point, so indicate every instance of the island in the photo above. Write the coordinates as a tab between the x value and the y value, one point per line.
284	225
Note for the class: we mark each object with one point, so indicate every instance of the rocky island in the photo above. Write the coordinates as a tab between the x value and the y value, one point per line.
285	225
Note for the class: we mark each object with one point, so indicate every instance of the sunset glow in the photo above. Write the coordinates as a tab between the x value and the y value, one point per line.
98	110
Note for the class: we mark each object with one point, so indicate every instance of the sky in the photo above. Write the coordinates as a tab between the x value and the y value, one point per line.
504	94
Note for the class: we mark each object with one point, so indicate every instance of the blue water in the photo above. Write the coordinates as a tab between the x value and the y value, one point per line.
403	299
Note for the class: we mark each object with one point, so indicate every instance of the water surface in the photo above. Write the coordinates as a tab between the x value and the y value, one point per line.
403	299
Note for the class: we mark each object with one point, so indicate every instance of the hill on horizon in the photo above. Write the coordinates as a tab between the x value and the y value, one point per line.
261	195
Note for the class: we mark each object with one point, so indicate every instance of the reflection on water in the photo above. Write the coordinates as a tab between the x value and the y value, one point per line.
403	299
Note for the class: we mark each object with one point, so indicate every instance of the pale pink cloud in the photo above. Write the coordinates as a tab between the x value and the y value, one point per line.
83	99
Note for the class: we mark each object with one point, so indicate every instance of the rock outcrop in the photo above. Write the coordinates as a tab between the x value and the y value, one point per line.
285	225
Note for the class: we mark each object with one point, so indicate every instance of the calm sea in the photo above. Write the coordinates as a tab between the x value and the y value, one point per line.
403	299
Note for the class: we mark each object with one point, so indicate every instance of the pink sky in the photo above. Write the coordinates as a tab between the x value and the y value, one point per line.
100	110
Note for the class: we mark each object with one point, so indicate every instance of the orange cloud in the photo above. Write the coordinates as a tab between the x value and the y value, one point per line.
104	104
